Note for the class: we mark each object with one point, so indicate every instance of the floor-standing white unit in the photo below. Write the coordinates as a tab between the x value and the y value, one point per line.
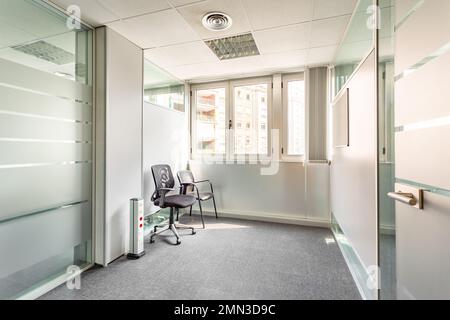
136	249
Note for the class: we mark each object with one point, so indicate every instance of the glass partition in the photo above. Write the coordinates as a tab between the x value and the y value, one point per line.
46	124
356	236
162	89
357	43
386	148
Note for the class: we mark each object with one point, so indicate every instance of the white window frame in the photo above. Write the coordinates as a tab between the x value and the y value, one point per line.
249	82
207	86
229	116
286	78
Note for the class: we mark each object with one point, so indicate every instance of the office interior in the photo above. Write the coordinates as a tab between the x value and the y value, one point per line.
320	127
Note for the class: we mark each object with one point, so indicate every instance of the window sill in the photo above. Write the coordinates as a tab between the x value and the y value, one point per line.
235	162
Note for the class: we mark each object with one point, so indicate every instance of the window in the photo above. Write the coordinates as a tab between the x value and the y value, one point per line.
293	116
209	121
231	118
253	112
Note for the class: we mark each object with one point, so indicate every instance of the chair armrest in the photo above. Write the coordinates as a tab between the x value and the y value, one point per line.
201	181
206	181
166	189
163	195
187	183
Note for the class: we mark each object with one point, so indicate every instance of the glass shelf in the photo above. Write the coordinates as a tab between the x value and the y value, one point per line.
154	219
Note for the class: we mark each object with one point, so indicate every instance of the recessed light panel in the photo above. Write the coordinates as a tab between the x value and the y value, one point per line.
234	47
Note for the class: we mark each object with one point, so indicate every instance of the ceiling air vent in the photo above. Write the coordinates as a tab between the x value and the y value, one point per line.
46	51
234	47
217	21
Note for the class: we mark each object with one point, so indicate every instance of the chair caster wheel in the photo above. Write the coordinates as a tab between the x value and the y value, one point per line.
178	242
194	232
152	240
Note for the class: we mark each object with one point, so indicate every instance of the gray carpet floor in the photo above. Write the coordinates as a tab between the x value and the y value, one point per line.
231	259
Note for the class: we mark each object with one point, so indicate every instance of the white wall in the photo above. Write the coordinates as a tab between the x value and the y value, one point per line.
296	193
165	141
119	153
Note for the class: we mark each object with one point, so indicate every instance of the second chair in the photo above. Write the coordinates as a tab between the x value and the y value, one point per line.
189	186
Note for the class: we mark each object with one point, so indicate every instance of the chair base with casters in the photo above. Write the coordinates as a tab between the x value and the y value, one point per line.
172	226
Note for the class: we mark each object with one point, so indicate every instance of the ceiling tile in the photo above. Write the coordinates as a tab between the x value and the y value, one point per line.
326	8
283	60
194	71
129	8
281	39
268	14
321	55
269	63
92	12
193	15
213	70
179	3
329	31
182	54
156	29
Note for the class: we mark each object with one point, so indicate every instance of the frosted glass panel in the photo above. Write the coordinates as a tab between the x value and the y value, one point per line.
43	187
21	76
22	153
27	127
35	255
21	101
45	146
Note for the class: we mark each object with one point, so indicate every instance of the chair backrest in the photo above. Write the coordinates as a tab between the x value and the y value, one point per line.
163	178
185	176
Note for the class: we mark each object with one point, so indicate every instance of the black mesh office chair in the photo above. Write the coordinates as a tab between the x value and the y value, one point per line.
189	187
164	183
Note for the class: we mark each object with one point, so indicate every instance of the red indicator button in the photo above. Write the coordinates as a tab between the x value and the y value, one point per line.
140	219
140	226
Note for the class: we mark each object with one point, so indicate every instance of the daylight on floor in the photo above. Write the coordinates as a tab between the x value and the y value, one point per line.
249	151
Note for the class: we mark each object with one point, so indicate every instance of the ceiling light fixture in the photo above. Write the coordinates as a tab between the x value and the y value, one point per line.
234	47
217	21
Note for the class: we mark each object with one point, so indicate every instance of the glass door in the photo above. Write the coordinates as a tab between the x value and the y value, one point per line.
46	146
422	134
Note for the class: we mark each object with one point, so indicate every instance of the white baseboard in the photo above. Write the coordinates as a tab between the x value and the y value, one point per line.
267	217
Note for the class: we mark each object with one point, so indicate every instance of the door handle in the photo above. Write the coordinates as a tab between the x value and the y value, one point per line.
409	195
407	198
